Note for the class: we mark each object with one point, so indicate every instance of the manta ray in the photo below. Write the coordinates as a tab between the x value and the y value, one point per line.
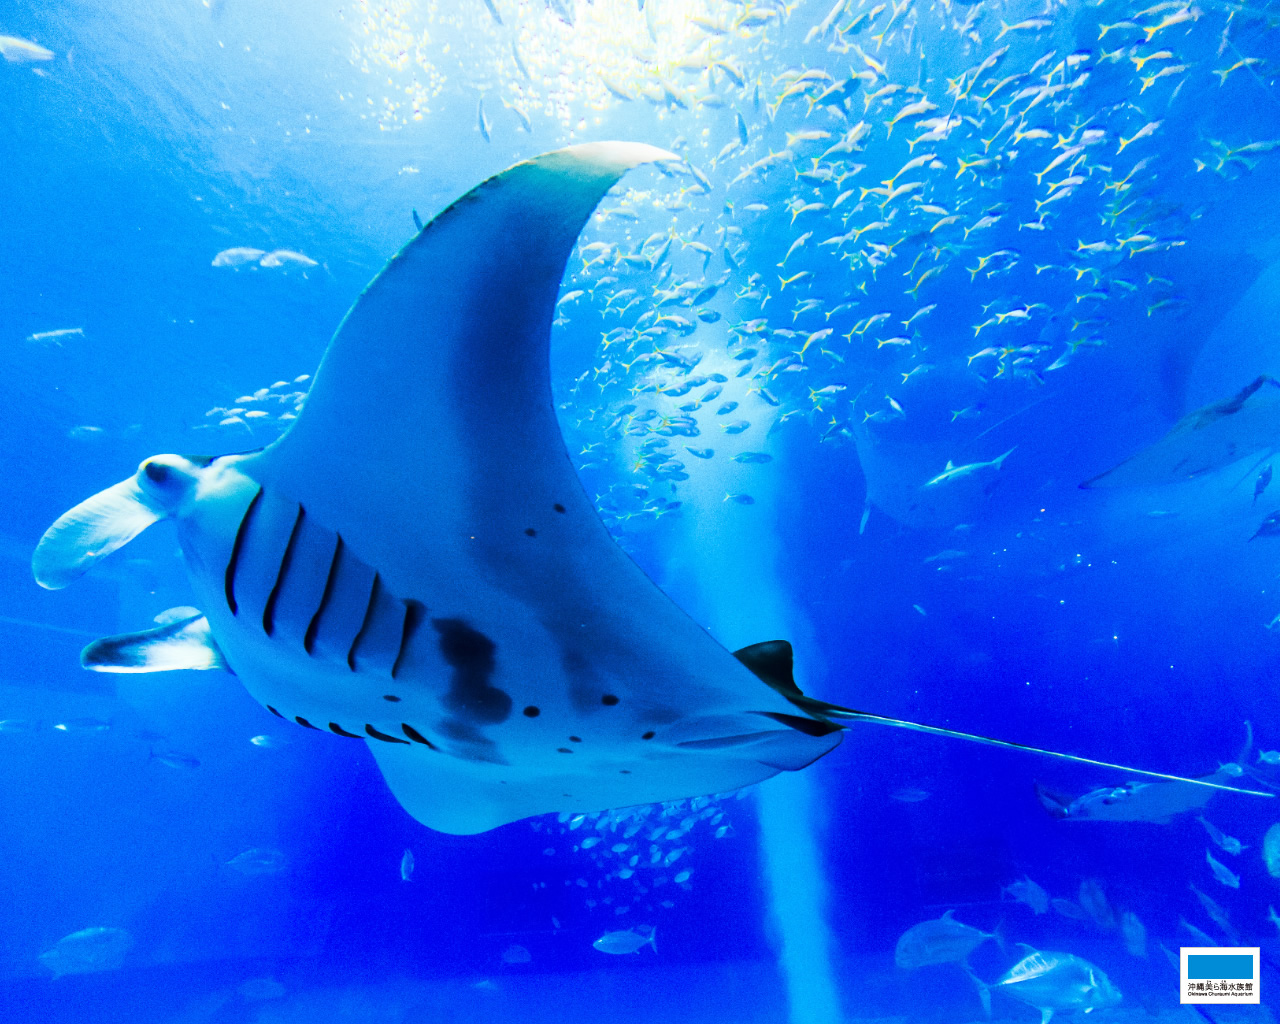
415	564
1205	440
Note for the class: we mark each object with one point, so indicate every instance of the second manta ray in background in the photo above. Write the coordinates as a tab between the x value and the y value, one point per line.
1205	440
415	563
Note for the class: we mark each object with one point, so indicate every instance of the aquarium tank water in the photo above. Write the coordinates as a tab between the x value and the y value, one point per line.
701	511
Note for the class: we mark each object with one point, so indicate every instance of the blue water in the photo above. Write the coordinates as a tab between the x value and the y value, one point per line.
1127	625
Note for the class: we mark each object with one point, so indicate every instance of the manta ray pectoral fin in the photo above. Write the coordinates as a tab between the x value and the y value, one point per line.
463	313
91	531
184	643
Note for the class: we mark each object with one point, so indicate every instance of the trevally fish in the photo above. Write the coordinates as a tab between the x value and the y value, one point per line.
423	571
1134	933
1217	915
1094	902
1028	892
88	951
630	941
1224	842
1053	982
941	941
1221	872
945	941
1271	850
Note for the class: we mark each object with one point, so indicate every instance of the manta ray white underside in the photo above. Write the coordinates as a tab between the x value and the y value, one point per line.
415	564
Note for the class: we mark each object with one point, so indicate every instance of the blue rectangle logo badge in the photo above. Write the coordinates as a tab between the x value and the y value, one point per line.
1220	974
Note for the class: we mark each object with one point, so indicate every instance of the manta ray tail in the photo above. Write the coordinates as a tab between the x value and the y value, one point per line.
771	662
91	531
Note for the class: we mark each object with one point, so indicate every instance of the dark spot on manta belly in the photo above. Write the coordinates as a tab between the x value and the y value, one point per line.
531	532
609	700
575	739
647	736
532	711
470	654
390	697
558	507
563	750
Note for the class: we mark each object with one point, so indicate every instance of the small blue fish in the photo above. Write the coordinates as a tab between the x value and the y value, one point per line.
1229	844
1221	872
258	861
1260	484
174	759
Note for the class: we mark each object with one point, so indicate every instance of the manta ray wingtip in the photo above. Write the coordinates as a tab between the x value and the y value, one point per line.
621	155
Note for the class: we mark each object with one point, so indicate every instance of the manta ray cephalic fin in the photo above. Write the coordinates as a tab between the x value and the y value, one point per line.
89	532
179	643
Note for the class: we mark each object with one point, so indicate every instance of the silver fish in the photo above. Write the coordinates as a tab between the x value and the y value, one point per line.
258	861
1221	872
1134	934
1271	850
1094	902
1058	981
88	951
941	941
1028	892
630	941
